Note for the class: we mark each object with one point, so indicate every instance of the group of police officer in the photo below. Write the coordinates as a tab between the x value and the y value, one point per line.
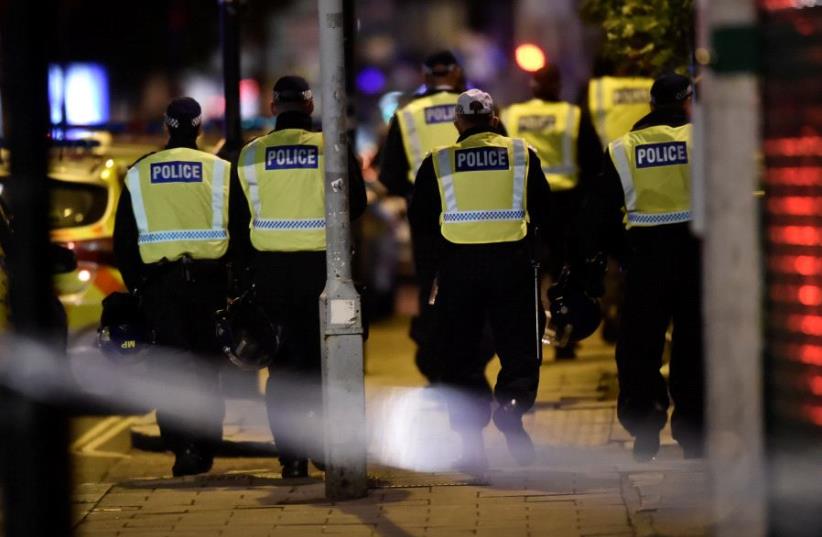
193	230
483	221
477	199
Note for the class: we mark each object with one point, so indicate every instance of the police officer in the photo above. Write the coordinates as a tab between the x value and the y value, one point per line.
424	123
647	173
553	128
283	177
615	103
170	238
480	200
615	100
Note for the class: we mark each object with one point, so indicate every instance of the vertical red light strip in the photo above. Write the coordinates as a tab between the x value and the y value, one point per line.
792	149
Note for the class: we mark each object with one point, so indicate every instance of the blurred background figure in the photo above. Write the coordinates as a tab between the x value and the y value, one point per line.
552	127
415	129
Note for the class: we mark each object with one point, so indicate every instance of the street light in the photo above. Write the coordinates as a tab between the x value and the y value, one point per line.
530	57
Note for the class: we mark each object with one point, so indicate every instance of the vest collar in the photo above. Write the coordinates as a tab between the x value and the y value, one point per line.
174	144
473	131
293	120
671	118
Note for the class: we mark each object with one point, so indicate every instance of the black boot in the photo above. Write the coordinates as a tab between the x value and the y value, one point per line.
191	461
294	468
508	419
646	445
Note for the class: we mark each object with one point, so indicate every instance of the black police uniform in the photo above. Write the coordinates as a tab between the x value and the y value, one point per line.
662	266
179	299
288	286
479	282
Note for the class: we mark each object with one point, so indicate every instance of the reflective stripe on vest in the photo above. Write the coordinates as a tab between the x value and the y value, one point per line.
179	199
426	123
655	171
552	129
617	103
494	213
283	176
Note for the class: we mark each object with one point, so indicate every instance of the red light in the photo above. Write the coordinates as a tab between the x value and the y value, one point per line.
810	325
795	176
816	385
814	413
807	354
810	295
530	57
796	235
807	265
810	146
795	205
811	355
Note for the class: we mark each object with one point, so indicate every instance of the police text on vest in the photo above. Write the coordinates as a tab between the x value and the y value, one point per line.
289	157
536	123
443	113
664	154
177	172
481	158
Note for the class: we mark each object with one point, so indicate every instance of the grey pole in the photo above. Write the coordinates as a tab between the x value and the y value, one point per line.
732	276
340	313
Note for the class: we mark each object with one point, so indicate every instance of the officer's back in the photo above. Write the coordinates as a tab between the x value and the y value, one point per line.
170	237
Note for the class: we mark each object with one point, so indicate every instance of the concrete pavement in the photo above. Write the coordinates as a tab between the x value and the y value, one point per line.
583	484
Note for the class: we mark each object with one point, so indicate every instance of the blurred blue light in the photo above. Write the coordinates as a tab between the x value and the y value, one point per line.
83	88
56	85
370	80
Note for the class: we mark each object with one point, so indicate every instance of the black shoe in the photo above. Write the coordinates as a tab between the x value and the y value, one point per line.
295	468
191	461
646	446
508	420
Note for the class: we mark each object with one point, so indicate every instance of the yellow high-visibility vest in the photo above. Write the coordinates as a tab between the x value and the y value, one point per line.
552	128
180	202
654	166
426	123
283	177
617	103
482	189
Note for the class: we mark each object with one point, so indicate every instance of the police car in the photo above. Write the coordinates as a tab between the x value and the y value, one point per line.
85	184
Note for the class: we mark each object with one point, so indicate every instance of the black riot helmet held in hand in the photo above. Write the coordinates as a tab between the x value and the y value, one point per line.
123	335
575	314
249	339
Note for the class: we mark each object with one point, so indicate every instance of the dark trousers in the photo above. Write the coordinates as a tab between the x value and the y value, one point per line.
288	286
663	286
180	302
493	283
424	325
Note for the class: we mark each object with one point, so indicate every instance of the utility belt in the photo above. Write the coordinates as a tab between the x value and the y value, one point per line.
188	269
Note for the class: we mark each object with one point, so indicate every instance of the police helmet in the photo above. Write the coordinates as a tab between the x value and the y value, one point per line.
248	337
123	334
574	314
